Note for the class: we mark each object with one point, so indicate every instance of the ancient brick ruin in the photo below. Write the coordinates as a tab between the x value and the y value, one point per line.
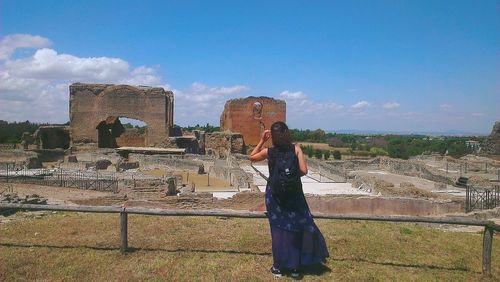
95	109
251	116
47	137
492	143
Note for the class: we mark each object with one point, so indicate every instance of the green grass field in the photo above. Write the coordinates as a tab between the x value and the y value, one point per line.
85	247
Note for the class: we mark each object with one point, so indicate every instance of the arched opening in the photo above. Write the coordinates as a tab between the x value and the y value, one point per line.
117	132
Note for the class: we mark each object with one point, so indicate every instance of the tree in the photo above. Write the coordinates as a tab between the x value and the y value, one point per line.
337	155
397	148
326	154
457	149
335	142
318	154
318	135
308	150
374	151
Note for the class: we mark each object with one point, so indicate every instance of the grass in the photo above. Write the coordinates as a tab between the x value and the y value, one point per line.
80	246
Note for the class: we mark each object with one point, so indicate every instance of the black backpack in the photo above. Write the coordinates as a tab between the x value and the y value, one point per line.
285	177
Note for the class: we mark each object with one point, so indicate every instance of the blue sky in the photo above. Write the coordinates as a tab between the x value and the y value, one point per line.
366	65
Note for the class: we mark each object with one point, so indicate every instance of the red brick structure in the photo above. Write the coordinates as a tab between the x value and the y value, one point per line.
93	108
251	116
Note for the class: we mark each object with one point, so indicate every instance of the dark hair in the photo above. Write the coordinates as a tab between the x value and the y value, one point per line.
280	135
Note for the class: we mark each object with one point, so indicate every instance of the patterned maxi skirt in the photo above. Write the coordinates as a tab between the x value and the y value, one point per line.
296	240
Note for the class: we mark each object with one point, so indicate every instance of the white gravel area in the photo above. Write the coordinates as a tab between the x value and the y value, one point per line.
310	185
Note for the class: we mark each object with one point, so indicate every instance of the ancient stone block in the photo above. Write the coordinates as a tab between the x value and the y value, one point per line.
201	169
126	165
171	187
91	104
439	185
102	164
72	159
492	143
221	144
251	116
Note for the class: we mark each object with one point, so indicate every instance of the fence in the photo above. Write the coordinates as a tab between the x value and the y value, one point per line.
489	226
4	147
480	198
90	180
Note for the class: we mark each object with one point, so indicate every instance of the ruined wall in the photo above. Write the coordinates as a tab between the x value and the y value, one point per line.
492	143
230	171
221	144
131	138
90	104
397	166
47	137
251	116
384	206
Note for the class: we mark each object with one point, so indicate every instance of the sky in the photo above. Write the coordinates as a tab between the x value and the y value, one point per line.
362	65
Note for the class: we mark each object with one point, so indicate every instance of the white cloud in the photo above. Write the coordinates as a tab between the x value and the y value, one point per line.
361	105
293	95
391	105
42	80
477	114
201	103
300	110
10	43
445	107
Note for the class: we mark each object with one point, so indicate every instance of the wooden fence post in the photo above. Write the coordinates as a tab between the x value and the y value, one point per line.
487	245
123	231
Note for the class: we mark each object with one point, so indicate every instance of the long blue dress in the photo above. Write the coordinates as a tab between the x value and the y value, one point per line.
296	240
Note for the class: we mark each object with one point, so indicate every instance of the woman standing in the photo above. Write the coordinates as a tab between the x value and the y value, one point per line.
296	240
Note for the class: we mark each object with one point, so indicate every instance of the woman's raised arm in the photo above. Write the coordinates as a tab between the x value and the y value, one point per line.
259	154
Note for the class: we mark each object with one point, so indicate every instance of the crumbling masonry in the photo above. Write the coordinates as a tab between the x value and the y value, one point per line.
94	109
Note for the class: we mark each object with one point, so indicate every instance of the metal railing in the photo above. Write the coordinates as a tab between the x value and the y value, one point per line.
91	180
481	198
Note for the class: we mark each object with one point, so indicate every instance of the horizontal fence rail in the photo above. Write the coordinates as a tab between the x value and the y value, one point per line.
489	226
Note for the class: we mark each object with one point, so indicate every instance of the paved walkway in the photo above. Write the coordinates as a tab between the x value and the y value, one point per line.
312	183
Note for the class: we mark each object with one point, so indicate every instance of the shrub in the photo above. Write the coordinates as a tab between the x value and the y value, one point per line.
337	155
326	154
374	151
318	154
308	150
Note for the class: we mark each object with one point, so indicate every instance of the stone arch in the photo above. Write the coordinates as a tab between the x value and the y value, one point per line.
112	134
90	104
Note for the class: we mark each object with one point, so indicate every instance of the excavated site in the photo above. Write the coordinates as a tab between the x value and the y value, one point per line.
97	161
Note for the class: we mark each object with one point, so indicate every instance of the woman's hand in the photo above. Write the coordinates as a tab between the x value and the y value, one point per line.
265	135
259	154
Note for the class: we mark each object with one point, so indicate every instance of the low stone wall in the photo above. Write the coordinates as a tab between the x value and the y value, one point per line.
19	159
332	170
410	168
397	166
173	162
229	170
384	206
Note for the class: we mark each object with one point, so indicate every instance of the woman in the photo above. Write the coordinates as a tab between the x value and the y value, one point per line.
296	240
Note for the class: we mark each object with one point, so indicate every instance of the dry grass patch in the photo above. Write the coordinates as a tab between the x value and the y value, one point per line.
77	246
